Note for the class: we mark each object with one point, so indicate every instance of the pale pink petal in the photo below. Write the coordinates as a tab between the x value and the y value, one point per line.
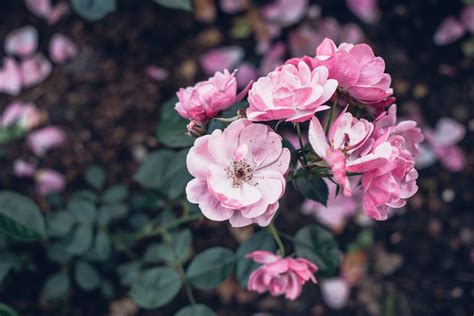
263	256
22	168
10	77
61	48
34	70
42	140
366	10
221	58
49	181
449	31
335	292
21	42
40	8
317	137
58	12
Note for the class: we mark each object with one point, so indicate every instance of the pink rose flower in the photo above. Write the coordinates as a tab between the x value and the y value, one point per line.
10	77
279	275
449	31
49	181
206	99
239	173
22	42
35	70
22	168
366	10
42	140
25	115
61	48
291	92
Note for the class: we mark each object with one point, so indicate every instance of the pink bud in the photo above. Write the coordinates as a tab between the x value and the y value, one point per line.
61	49
34	70
10	77
449	31
22	168
156	73
49	181
42	140
221	58
22	42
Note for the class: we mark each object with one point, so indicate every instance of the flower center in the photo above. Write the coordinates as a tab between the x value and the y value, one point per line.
239	172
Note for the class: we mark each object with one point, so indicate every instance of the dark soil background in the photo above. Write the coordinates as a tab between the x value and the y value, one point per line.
109	109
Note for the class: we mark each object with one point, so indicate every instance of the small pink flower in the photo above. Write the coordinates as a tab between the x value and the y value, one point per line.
10	77
35	70
49	181
335	292
449	31
291	92
207	98
156	73
279	275
22	168
467	17
61	48
285	12
40	141
221	58
366	10
239	173
22	42
25	115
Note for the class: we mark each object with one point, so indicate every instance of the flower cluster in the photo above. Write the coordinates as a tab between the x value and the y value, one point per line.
240	172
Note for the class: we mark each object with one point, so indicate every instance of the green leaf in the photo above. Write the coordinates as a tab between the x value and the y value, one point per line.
6	310
56	286
178	250
58	252
156	287
81	240
318	246
116	193
85	195
176	4
129	272
313	188
111	212
59	223
8	261
86	276
176	176
101	248
93	10
84	211
20	217
95	177
195	310
259	241
171	130
211	267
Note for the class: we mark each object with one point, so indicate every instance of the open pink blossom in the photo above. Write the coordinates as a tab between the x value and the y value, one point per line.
291	92
10	77
449	31
61	48
467	17
366	10
22	168
22	42
49	181
221	58
35	70
335	292
156	73
24	115
280	276
239	173
207	98
42	140
285	12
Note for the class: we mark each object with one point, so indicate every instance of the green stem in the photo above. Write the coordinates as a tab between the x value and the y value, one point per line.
300	139
331	114
187	286
163	229
274	232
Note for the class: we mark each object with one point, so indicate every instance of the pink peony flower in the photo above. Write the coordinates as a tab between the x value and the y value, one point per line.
239	173
221	58
207	98
22	42
335	292
449	31
61	49
49	181
366	10
156	73
34	70
291	92
22	168
467	17
25	115
10	77
357	70
279	275
40	141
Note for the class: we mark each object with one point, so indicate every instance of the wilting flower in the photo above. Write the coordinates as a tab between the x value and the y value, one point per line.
366	10
449	31
207	98
279	275
22	168
221	58
335	292
49	181
42	140
24	115
239	173
61	49
34	70
10	77
22	42
291	92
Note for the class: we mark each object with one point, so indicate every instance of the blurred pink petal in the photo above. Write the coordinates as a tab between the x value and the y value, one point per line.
156	73
49	181
26	115
22	168
302	41
285	12
335	292
42	140
35	70
61	48
221	58
351	33
58	12
40	8
426	157
21	42
467	17
272	58
246	72
10	77
449	131
233	6
449	31
366	10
